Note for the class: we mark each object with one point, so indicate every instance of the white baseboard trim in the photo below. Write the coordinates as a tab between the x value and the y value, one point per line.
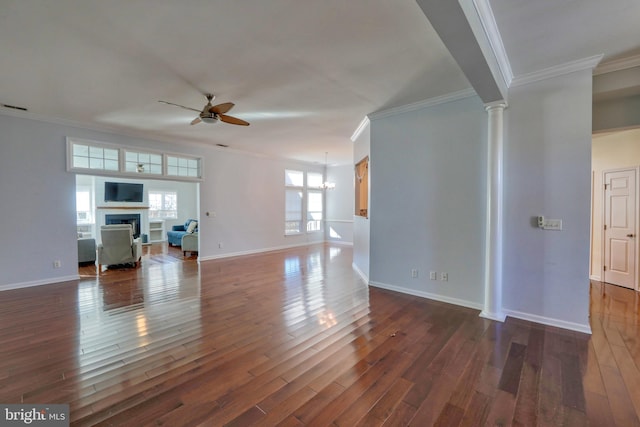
428	295
578	327
257	251
360	273
595	278
339	242
42	282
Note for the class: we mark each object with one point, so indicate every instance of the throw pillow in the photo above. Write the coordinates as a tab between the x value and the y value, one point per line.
192	226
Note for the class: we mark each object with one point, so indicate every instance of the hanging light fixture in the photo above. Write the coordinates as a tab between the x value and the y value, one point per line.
326	184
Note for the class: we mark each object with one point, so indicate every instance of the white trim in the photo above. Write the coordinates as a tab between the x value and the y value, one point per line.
428	295
360	273
556	71
579	327
487	19
498	317
617	65
339	220
596	278
361	127
339	242
49	281
257	251
431	102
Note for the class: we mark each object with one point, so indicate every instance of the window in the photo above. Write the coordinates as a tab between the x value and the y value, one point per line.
105	159
95	157
294	183
163	204
182	166
83	207
303	189
143	163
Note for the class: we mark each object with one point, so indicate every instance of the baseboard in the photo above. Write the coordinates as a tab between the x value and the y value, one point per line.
428	295
578	327
595	278
360	273
339	242
42	282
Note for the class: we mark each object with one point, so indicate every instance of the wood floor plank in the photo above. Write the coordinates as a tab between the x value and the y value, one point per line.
296	338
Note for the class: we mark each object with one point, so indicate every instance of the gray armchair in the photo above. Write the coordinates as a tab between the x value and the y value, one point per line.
118	246
189	243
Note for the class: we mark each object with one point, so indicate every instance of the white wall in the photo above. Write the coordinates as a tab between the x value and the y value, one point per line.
361	225
428	201
38	200
547	168
340	205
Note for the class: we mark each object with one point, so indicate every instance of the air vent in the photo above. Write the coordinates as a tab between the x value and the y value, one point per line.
14	107
222	145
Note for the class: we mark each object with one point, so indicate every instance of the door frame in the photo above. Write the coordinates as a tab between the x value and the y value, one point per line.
637	223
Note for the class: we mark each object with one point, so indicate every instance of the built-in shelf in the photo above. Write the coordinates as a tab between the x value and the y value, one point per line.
156	230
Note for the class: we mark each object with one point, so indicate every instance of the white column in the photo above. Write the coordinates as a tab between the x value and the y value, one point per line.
493	244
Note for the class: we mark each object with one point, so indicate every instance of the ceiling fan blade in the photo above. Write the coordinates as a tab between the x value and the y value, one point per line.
221	108
233	120
181	106
196	121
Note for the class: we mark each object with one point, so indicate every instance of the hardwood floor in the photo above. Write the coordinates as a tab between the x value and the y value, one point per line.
296	338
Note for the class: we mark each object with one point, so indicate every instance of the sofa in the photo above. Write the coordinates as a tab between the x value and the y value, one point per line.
174	236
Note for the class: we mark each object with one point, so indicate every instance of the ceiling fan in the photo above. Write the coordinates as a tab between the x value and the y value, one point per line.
213	113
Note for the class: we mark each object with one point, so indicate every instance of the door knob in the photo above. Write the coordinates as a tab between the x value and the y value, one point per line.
631	235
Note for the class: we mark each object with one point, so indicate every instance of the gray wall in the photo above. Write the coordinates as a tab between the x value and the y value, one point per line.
548	172
428	170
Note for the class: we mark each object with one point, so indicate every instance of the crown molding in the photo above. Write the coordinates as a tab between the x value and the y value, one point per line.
361	128
488	21
431	102
556	71
617	65
148	137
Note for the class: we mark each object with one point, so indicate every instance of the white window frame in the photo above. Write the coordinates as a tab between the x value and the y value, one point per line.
198	176
163	212
306	213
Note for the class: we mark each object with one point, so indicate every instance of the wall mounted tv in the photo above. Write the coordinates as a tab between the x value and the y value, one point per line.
122	192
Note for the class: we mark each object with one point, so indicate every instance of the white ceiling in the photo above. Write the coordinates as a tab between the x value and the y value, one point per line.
304	73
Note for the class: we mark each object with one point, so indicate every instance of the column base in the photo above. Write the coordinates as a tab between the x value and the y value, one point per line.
498	317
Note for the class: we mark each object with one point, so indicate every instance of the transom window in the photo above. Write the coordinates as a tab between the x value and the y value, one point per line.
101	158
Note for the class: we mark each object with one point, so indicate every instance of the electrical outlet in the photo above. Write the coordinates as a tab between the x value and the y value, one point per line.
444	277
433	275
414	273
57	264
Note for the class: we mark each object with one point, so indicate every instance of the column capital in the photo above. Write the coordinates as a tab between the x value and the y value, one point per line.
501	104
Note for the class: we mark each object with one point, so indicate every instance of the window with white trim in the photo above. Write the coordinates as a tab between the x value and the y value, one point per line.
183	166
294	191
84	156
84	208
163	204
95	157
304	202
140	162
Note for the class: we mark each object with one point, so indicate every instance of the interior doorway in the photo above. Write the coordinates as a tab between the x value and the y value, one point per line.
620	227
615	152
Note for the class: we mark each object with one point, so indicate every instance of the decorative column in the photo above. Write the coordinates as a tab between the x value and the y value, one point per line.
494	226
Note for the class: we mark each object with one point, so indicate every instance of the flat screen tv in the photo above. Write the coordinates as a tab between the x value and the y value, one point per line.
122	192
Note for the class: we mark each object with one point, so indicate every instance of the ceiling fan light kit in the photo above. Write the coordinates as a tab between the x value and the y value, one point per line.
212	113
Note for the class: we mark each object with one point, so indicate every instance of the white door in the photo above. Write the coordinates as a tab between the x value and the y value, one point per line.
620	228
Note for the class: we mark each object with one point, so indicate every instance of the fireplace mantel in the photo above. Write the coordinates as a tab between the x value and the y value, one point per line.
123	207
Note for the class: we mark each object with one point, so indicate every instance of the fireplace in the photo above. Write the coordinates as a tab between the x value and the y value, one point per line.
133	219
